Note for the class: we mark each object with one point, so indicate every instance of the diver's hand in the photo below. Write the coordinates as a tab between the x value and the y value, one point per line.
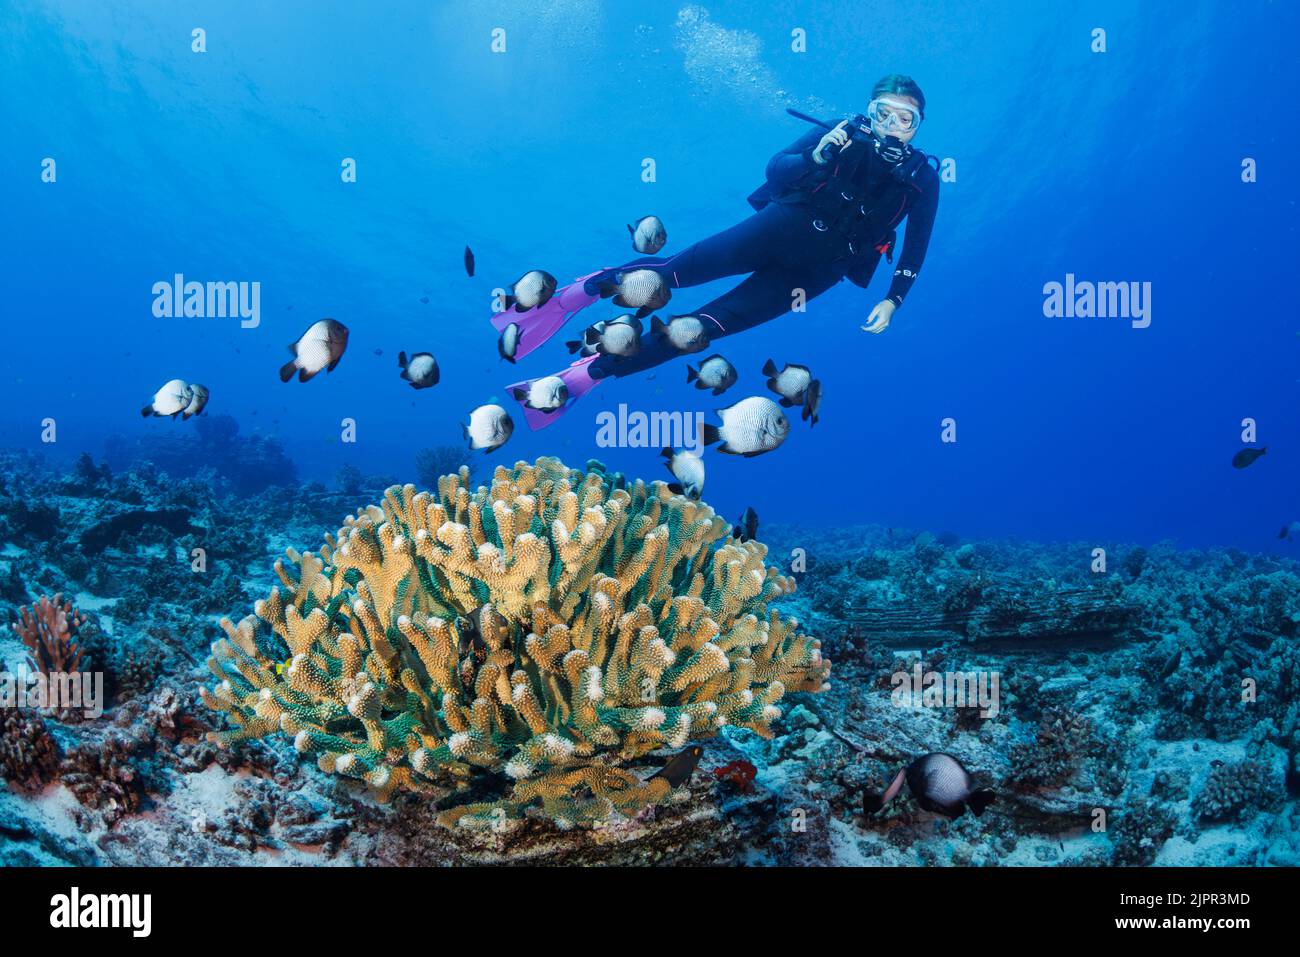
878	321
837	137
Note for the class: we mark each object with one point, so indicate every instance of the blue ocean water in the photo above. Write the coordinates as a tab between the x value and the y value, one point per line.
1123	165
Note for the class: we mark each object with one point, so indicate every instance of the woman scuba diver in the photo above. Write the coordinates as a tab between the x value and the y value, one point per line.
829	209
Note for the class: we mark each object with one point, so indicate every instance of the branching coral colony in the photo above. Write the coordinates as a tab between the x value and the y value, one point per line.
554	627
48	629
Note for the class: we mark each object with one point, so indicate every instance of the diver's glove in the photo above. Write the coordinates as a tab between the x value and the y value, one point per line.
878	320
832	143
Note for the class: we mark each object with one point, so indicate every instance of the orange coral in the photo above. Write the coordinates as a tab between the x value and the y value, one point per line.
49	630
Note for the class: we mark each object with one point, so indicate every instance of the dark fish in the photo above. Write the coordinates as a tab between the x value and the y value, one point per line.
424	299
1289	531
1172	664
940	784
469	262
1247	457
1292	776
483	628
679	767
747	527
379	352
812	402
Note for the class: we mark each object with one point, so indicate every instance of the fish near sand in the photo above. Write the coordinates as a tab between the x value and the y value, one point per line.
939	782
421	369
320	347
750	427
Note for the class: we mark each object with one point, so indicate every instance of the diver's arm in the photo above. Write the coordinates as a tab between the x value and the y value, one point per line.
787	166
916	240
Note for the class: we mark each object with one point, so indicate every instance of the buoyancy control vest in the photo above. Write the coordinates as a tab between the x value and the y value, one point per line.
862	205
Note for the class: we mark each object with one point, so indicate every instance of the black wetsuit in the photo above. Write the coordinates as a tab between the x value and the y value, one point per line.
799	241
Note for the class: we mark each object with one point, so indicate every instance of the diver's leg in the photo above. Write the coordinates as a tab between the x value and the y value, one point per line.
763	296
753	243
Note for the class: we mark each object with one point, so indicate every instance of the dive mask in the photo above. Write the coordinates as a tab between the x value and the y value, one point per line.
888	115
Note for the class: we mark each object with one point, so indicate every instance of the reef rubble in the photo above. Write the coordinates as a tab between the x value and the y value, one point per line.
1146	713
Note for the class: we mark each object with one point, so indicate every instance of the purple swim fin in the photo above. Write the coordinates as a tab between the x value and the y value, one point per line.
539	324
577	379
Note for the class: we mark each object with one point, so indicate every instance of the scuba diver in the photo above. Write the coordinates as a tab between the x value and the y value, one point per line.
829	209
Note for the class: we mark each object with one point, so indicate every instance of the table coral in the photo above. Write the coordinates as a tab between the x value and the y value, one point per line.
554	627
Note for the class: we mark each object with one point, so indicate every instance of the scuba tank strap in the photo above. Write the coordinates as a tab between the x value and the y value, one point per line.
908	169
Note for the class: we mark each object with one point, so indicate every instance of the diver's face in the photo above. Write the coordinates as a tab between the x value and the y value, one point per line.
897	115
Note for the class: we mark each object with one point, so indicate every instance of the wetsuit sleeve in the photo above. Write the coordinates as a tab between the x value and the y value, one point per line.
787	166
916	240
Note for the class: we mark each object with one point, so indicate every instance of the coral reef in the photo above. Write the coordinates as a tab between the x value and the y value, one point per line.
1138	832
216	448
553	627
28	755
104	777
1233	791
48	630
1164	691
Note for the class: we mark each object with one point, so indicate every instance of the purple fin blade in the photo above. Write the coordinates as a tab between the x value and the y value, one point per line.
539	324
578	381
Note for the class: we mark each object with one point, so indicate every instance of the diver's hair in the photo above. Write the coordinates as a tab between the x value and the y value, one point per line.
900	84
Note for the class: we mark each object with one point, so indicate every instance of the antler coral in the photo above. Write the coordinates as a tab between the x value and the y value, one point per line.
48	629
551	627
